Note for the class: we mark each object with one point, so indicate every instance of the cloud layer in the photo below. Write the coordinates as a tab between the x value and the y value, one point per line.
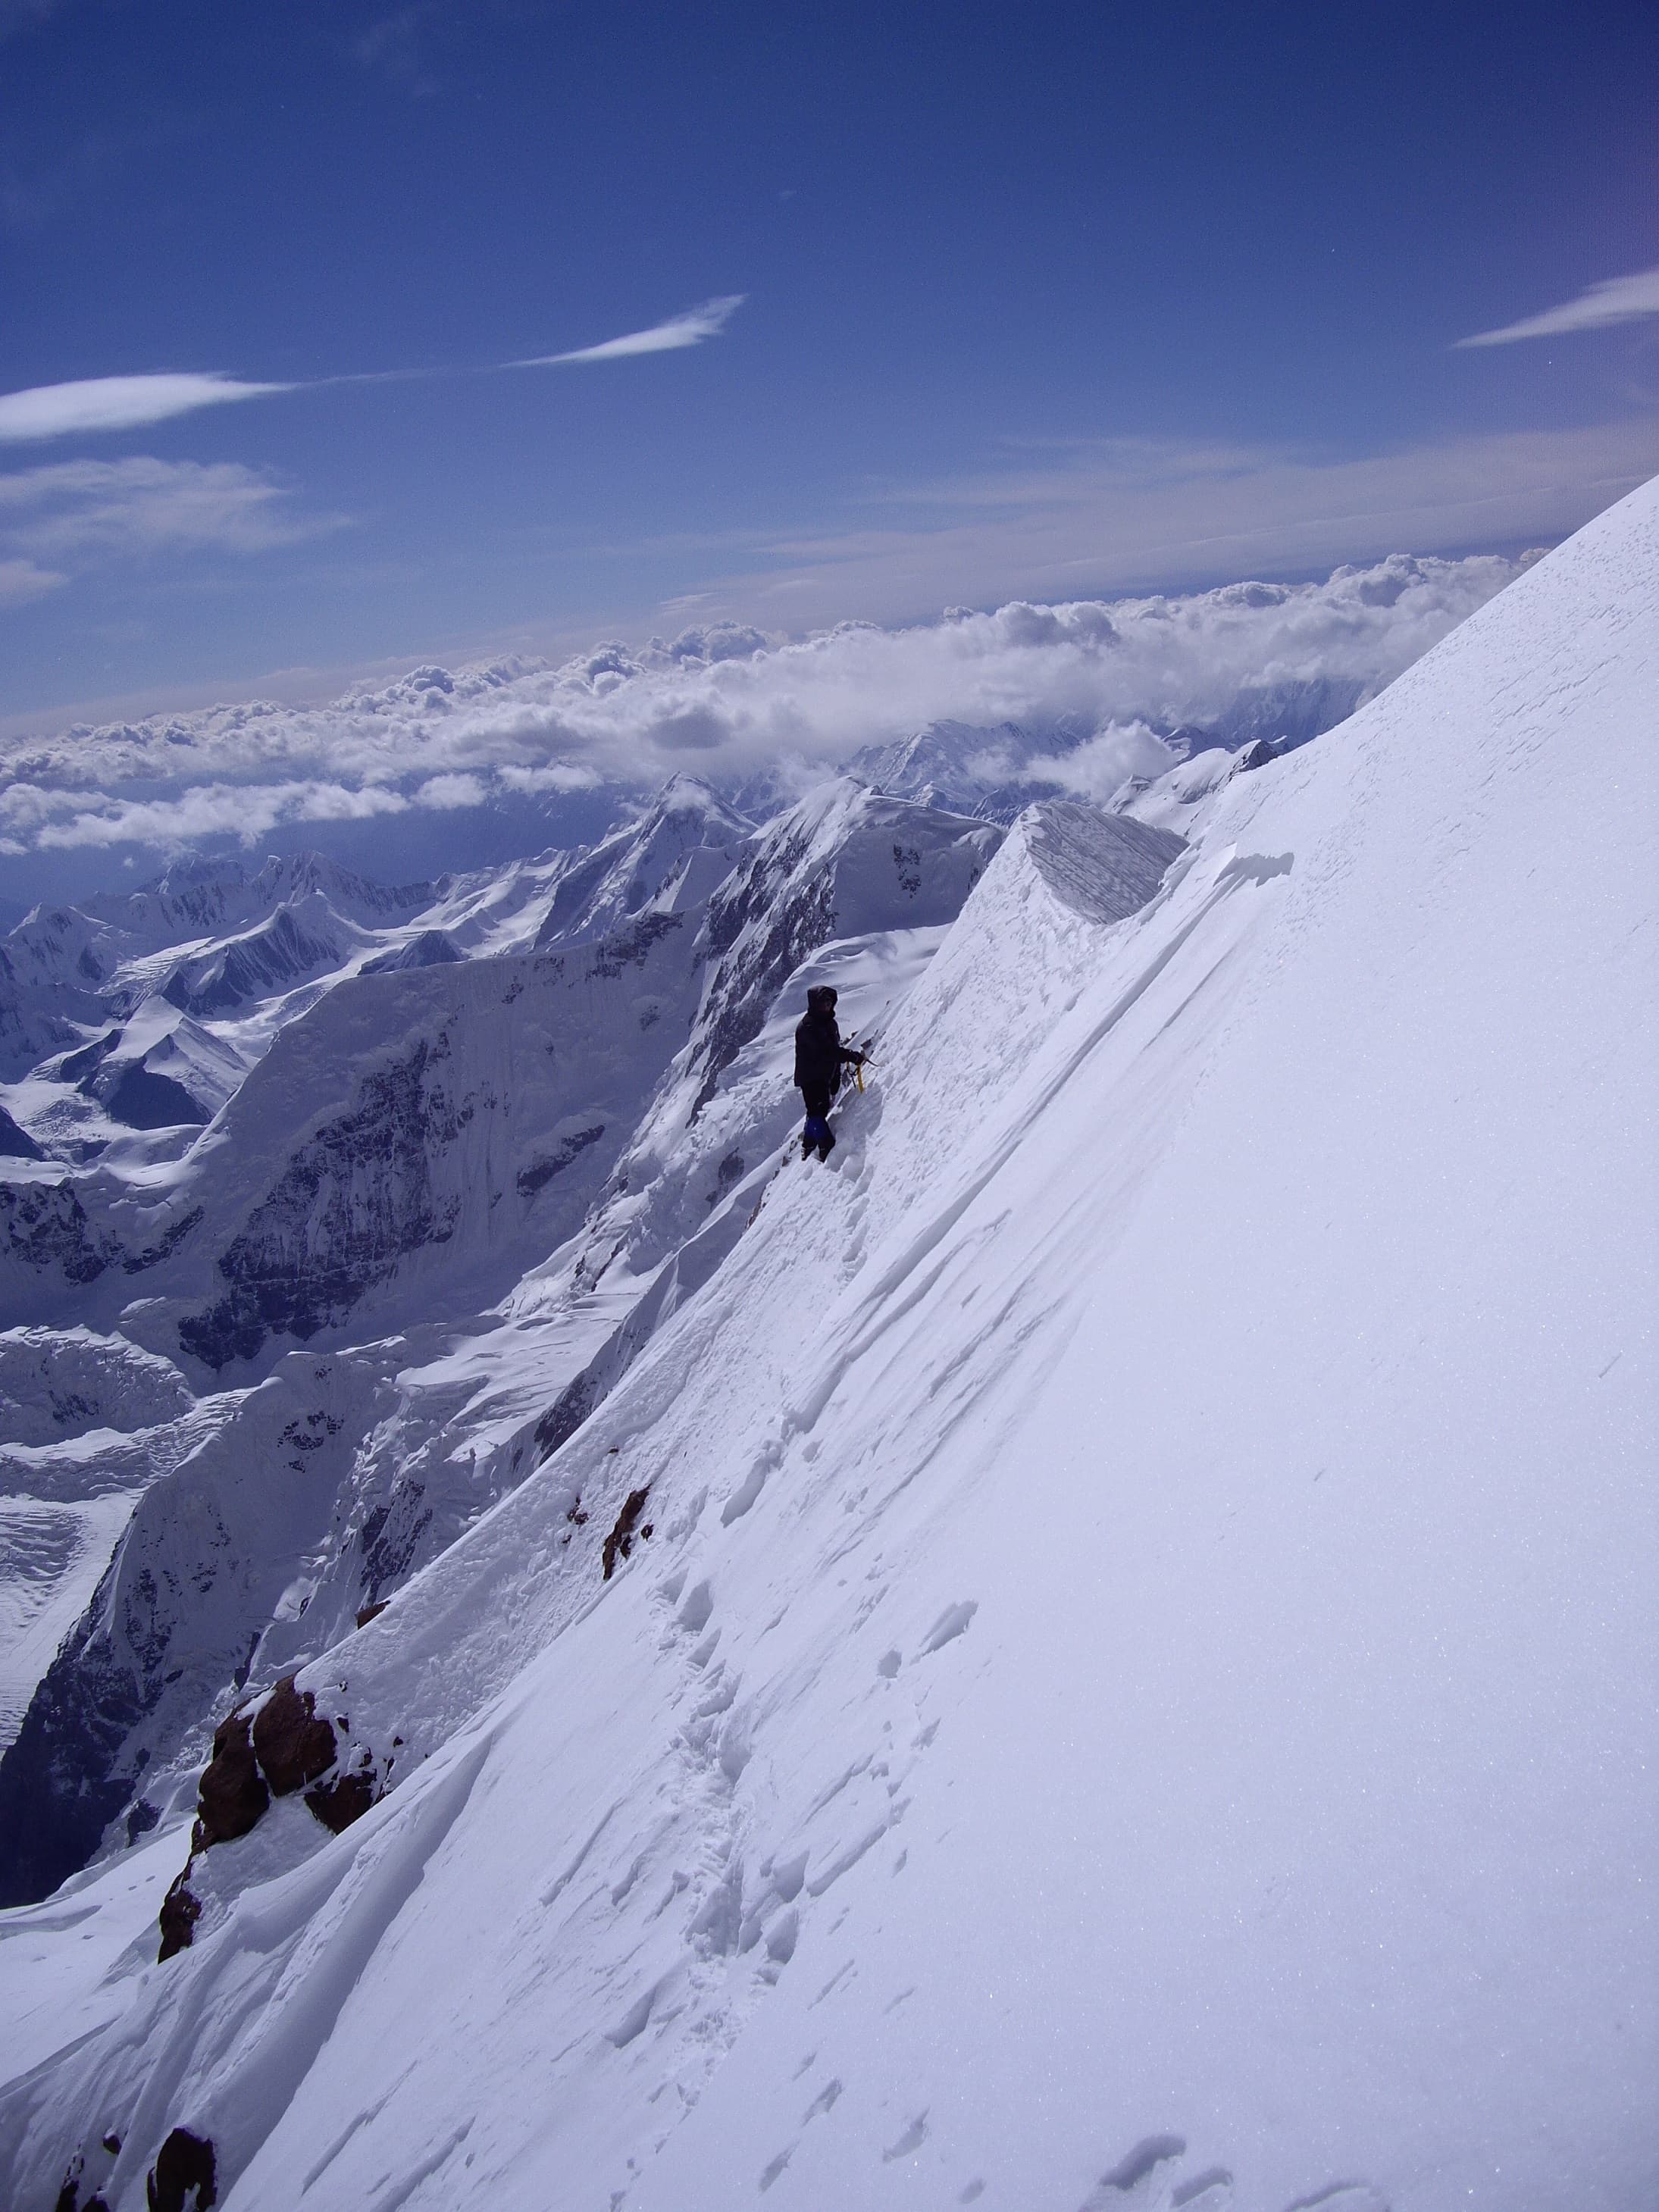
730	702
1617	300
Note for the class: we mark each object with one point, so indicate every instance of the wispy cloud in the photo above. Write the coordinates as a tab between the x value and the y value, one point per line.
1123	515
79	515
126	402
1618	299
23	580
689	329
116	402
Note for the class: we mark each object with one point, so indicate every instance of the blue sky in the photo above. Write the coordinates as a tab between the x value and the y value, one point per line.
1038	301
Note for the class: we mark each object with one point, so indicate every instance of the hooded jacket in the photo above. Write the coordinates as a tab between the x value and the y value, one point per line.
819	1052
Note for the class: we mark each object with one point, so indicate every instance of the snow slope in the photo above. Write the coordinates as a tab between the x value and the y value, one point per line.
1137	1692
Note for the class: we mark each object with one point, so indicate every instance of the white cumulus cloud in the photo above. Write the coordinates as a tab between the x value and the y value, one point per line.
1597	307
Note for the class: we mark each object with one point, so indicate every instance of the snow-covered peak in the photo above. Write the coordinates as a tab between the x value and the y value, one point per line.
668	861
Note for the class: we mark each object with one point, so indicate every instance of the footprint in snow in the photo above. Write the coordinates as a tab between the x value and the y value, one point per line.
1143	2178
773	2168
912	2140
824	2101
950	1625
1342	2196
1148	2179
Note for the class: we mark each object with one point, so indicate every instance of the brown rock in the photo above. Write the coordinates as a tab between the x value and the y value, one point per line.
338	1803
372	1612
620	1542
180	1911
291	1744
183	2175
230	1797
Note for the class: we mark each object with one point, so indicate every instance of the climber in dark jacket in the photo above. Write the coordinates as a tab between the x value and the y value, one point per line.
820	1055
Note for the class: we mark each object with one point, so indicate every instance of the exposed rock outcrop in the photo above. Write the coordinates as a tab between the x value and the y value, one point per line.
277	1748
337	1803
292	1745
184	2177
619	1543
231	1795
180	1911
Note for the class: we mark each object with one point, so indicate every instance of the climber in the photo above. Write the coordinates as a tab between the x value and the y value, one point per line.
820	1055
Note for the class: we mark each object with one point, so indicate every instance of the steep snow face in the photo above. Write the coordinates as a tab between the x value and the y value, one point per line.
1103	1658
38	1018
86	1423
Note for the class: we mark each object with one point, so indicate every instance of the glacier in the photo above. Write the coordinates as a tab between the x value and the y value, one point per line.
1094	1653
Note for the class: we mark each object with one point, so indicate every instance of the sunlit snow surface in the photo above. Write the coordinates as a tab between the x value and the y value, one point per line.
1138	1693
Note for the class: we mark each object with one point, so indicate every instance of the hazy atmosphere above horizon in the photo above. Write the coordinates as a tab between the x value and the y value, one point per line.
345	337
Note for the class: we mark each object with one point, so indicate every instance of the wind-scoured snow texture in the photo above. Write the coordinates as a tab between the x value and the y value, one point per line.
687	1194
1137	1692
